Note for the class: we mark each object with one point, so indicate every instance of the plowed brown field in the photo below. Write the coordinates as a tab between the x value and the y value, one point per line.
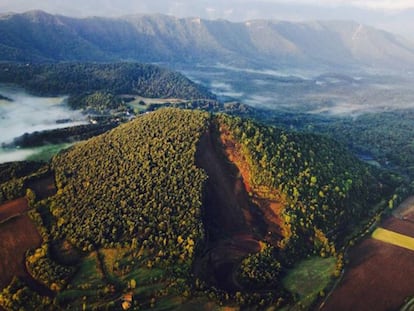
379	275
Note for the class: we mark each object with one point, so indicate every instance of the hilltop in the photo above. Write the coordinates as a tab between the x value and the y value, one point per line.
185	208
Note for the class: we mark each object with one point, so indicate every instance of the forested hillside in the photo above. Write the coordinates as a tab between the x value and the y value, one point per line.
130	214
98	86
37	36
136	184
327	191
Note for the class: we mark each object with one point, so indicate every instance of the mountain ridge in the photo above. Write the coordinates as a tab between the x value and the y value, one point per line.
168	39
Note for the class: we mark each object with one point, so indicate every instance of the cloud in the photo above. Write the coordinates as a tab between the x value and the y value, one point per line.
366	4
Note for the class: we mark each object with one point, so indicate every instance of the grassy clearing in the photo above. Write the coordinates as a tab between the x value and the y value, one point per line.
393	238
85	285
308	279
45	153
104	276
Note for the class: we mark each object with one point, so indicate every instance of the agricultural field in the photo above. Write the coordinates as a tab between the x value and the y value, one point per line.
393	238
387	255
17	234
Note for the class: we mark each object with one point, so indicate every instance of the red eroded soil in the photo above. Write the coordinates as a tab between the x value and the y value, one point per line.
227	212
234	223
270	209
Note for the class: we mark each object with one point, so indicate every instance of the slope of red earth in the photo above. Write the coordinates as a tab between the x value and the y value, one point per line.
379	276
234	224
268	202
226	206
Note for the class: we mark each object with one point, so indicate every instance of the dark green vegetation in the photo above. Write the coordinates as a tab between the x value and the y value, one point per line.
385	138
96	87
128	215
14	176
99	81
327	189
58	136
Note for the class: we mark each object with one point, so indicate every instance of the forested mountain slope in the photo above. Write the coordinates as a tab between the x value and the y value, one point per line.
118	78
38	37
147	199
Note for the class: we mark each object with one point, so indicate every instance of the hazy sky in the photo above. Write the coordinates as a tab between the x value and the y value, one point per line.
393	15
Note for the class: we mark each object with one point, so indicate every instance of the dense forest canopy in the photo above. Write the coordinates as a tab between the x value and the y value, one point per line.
99	86
136	191
119	78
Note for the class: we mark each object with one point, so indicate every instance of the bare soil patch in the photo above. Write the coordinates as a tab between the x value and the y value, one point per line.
13	208
268	202
233	223
380	276
16	236
400	226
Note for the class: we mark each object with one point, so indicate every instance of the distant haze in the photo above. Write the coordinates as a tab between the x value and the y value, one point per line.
396	16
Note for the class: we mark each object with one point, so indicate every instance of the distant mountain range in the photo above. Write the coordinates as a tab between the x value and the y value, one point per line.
37	36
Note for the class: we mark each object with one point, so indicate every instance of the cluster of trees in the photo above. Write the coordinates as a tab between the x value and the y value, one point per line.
14	177
44	269
383	136
63	135
261	269
15	170
18	296
387	137
98	102
137	184
87	78
328	190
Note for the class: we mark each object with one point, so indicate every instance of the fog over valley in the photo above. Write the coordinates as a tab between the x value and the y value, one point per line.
22	113
329	93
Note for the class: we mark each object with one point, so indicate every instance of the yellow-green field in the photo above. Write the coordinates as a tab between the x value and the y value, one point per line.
393	238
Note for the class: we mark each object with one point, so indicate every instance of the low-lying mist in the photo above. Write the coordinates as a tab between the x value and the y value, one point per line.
22	113
348	94
26	113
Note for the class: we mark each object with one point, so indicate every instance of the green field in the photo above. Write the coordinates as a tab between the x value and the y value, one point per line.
308	279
